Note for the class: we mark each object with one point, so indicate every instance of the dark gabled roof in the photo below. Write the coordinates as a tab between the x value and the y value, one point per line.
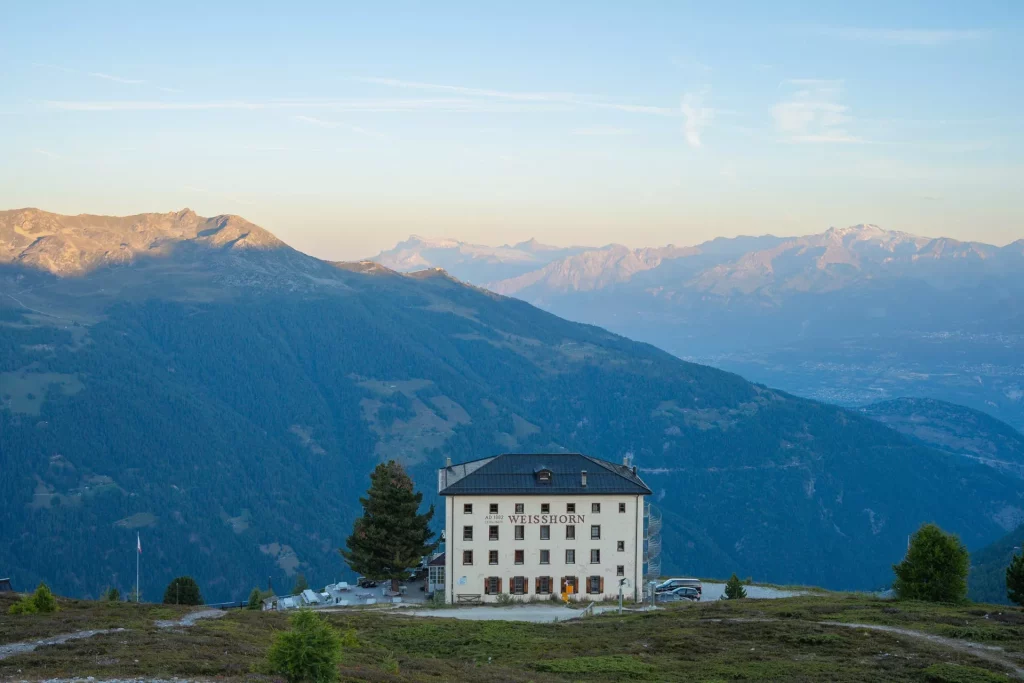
516	473
437	561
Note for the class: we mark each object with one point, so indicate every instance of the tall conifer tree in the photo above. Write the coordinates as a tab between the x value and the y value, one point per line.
1015	579
391	537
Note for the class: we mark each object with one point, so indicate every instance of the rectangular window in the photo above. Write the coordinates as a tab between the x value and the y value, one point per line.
570	557
545	557
595	507
545	508
492	532
621	546
620	570
520	532
467	509
544	585
520	508
595	532
467	533
519	585
492	557
570	532
570	507
493	585
545	532
593	584
467	557
595	556
494	508
622	507
519	556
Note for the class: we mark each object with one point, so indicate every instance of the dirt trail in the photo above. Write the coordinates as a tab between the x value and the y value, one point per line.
990	653
190	618
12	649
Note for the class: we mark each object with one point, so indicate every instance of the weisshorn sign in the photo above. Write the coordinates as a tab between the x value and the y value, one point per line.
546	519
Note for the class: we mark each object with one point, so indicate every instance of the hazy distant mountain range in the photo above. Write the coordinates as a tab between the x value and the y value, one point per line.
852	315
199	382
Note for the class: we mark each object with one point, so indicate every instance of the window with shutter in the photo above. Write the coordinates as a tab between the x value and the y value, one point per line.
499	584
600	587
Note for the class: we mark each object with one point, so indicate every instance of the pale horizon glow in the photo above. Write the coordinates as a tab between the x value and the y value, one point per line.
345	129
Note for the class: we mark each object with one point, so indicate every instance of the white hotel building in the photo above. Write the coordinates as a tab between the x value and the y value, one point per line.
536	524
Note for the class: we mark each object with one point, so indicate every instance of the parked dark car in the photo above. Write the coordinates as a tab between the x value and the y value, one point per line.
680	594
672	584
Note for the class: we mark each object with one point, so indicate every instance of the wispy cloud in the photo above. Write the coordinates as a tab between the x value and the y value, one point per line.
602	130
813	113
117	79
48	154
322	123
563	98
106	77
341	105
696	117
903	36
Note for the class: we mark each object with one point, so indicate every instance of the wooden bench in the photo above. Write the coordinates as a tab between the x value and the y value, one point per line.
468	599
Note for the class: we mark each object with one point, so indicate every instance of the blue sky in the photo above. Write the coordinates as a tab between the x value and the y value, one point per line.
344	127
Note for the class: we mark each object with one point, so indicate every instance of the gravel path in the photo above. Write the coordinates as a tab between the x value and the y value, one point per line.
12	649
990	653
190	618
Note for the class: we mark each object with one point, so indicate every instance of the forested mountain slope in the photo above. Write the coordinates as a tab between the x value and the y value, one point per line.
226	398
954	429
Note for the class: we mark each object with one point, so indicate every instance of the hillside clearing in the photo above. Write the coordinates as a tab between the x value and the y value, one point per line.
834	637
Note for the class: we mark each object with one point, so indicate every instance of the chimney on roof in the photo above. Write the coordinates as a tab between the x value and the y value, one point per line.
634	470
447	462
583	479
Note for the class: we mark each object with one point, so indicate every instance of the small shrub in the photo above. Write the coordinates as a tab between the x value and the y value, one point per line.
389	663
619	666
41	601
956	673
310	651
349	639
112	595
505	599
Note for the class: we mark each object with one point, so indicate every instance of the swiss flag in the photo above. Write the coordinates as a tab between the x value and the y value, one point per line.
138	540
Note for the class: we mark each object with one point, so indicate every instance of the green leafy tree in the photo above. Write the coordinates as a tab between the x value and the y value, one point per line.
1015	579
734	589
112	595
309	651
391	536
41	601
183	591
255	599
300	584
934	569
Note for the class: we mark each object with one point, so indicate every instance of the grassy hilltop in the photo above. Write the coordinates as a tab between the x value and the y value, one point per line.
789	639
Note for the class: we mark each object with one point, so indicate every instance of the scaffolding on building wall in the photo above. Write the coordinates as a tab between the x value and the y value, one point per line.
652	542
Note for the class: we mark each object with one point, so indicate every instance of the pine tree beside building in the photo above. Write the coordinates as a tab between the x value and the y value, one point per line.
391	536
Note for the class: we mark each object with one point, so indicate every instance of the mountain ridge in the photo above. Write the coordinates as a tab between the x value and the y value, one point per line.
229	404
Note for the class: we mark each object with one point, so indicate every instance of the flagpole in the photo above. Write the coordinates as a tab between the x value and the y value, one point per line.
138	545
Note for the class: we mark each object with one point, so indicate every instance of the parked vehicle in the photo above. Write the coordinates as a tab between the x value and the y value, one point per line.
683	593
672	584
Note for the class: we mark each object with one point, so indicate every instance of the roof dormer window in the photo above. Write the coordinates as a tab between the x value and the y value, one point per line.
543	476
